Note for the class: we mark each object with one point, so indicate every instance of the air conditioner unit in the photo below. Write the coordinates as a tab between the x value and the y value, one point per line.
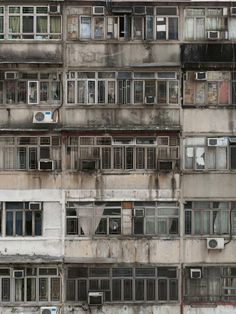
200	76
221	141
95	298
98	10
88	164
54	9
213	35
49	310
46	165
150	100
212	141
233	11
195	273
140	10
138	212
166	165
18	273
215	243
35	205
11	75
43	117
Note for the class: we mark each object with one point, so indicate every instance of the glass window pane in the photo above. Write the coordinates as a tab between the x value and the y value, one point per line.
9	223
138	225
43	289
70	290
139	289
19	223
98	27
91	92
14	24
161	28
56	91
151	291
101	92
161	92
42	24
85	27
55	289
111	92
173	287
173	92
31	289
5	289
19	290
71	92
28	24
55	24
33	92
162	289
138	91
173	28
116	289
149	27
128	289
28	223
82	290
81	91
38	223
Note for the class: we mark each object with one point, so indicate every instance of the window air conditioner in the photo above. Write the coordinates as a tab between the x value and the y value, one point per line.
221	141
212	141
195	273
54	9
35	205
200	76
138	212
213	35
95	298
46	165
98	10
18	273
233	11
215	243
89	164
150	100
166	165
11	75
43	117
49	310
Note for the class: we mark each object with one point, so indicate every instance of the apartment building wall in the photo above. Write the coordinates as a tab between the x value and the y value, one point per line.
119	158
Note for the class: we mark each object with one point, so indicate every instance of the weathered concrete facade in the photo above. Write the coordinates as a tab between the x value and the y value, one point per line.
117	157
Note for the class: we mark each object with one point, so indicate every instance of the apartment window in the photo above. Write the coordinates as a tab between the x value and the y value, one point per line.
155	219
200	21
216	284
29	284
210	218
123	284
86	219
208	153
166	23
30	22
24	153
122	88
213	90
121	153
91	88
22	220
29	88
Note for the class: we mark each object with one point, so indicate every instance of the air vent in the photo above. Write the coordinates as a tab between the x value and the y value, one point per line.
35	205
95	298
195	273
98	10
213	35
200	76
150	100
18	273
11	75
54	9
46	165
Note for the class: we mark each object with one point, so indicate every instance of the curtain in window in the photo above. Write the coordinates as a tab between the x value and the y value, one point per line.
14	24
55	24
42	24
89	218
189	28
